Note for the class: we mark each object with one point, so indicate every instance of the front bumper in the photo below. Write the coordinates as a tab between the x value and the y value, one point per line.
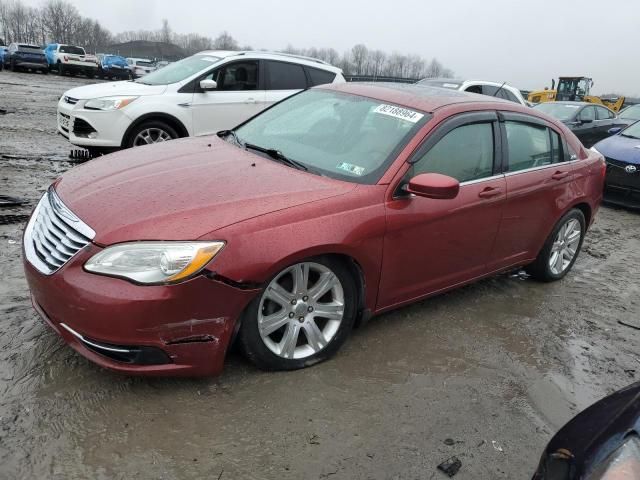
117	72
80	66
622	187
109	126
182	329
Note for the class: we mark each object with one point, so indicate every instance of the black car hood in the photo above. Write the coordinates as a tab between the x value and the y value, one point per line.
591	436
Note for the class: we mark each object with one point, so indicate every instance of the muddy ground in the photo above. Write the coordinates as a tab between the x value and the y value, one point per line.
496	367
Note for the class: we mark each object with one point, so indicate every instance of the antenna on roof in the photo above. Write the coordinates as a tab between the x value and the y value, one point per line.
495	94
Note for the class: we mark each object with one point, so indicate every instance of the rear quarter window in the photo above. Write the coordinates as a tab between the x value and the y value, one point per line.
320	77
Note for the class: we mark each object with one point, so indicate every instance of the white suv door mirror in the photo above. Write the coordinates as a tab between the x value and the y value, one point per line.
207	85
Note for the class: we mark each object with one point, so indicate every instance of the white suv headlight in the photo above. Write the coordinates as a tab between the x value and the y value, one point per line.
154	262
108	103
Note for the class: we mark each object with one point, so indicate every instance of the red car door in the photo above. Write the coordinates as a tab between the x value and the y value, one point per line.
434	244
539	174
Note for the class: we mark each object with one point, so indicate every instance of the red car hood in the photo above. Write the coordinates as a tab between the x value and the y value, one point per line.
184	189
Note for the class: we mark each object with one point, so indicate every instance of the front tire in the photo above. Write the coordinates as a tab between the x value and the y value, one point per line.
147	133
561	248
302	317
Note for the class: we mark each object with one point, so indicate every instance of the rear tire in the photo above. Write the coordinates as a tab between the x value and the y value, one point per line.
561	249
150	132
278	334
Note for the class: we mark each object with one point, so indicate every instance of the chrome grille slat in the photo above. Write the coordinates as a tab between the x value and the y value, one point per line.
64	227
52	248
54	234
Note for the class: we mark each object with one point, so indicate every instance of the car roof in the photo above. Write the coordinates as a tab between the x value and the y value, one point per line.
308	61
461	81
422	97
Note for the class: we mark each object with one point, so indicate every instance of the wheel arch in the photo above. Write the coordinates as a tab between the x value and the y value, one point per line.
363	314
176	124
585	208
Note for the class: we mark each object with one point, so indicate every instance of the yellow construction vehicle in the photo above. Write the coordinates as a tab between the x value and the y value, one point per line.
574	89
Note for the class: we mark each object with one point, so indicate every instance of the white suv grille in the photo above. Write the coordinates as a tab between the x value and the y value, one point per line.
54	234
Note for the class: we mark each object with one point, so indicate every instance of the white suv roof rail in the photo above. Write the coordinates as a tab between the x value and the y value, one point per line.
281	54
233	53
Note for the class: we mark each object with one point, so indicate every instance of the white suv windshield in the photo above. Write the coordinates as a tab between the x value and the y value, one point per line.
178	71
335	134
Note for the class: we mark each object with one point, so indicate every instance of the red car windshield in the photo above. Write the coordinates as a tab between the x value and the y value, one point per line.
339	135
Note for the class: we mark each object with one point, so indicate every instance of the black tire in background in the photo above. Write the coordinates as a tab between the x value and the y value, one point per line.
540	269
259	354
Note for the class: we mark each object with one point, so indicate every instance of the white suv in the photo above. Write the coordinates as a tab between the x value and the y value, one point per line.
200	95
140	66
483	87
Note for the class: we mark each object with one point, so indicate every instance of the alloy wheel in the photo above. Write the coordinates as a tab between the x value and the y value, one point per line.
565	246
301	310
151	135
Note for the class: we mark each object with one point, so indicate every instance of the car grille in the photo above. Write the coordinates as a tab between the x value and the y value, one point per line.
82	128
54	234
70	100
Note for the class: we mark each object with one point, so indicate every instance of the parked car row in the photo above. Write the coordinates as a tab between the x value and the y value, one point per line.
73	60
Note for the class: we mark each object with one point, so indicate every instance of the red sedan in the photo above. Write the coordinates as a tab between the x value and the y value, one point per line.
334	205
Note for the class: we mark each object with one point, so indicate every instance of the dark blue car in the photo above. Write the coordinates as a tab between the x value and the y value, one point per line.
3	52
113	67
622	153
600	443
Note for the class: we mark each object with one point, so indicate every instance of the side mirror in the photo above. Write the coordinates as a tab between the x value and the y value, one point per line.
207	85
433	185
614	130
586	120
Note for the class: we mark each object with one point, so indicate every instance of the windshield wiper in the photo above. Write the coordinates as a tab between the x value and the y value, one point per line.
234	135
277	155
629	136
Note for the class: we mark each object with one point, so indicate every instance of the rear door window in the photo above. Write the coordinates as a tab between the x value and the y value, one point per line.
320	77
603	113
529	146
588	113
465	153
285	76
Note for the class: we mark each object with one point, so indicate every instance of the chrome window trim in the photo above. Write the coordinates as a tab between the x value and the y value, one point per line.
507	173
483	179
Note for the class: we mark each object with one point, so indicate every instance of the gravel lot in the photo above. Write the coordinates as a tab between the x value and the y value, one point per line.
487	373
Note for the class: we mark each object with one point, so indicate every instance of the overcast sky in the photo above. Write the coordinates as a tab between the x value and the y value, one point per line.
502	40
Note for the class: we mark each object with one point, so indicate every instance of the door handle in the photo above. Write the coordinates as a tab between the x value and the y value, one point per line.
490	192
560	175
250	100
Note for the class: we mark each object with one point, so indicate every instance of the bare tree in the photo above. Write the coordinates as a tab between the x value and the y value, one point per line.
165	31
359	56
378	60
224	41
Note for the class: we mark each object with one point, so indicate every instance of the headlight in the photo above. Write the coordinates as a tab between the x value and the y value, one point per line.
154	262
108	103
623	464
